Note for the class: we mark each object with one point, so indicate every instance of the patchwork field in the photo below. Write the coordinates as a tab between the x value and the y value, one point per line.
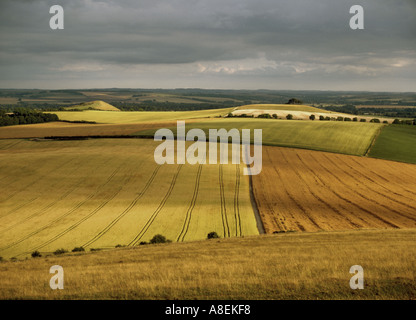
306	190
103	192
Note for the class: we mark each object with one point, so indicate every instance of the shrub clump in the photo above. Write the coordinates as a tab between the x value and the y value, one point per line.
212	235
159	239
36	254
78	249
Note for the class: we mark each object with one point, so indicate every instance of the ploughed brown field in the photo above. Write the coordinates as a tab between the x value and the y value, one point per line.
307	190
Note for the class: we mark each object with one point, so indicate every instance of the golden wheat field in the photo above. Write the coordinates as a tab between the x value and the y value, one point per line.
307	190
99	193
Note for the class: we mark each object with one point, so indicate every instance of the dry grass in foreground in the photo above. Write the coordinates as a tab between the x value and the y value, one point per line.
284	266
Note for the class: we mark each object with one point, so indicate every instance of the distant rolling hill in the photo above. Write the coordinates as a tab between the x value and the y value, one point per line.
93	105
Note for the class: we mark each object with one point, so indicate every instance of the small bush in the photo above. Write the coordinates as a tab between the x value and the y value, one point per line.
60	251
36	254
289	117
142	243
385	121
375	120
274	116
396	121
158	239
120	245
347	119
355	119
312	117
340	119
322	118
363	120
212	235
1	259
78	249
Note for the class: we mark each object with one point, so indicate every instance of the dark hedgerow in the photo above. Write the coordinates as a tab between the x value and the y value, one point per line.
78	249
60	251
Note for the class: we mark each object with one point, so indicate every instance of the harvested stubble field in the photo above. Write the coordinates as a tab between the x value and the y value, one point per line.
286	266
312	191
99	193
66	129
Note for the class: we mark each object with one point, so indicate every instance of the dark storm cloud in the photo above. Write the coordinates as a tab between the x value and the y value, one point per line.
198	42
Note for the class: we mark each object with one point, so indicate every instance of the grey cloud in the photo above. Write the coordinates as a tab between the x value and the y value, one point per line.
306	39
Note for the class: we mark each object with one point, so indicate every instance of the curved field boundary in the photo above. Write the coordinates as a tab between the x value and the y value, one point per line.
236	203
127	210
102	205
76	207
191	207
226	227
138	237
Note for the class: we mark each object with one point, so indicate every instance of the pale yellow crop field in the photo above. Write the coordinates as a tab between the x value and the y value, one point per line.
137	116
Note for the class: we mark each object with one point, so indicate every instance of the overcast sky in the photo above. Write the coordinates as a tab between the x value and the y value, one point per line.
213	44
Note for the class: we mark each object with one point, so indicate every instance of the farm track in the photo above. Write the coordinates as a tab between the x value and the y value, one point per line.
310	191
73	226
237	216
191	207
58	219
226	227
142	232
126	211
34	181
25	203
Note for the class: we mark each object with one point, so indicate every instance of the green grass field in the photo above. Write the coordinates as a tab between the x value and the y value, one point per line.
138	117
103	192
396	142
341	137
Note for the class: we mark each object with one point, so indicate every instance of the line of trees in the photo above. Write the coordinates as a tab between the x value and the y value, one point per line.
25	117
